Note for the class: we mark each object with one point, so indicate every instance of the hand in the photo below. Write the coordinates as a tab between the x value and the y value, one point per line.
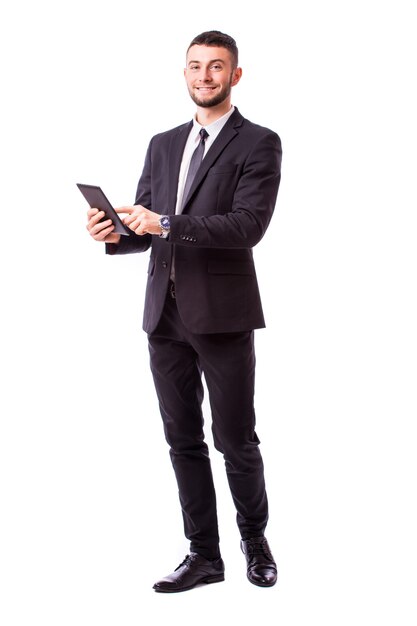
101	231
141	220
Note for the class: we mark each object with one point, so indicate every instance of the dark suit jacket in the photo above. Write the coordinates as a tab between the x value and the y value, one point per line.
227	213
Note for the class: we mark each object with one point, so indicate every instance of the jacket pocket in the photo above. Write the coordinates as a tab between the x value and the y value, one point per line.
226	168
244	268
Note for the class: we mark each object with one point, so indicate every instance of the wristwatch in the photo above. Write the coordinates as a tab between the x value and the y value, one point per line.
165	225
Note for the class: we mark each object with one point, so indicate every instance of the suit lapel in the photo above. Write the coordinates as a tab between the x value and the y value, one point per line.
176	150
222	140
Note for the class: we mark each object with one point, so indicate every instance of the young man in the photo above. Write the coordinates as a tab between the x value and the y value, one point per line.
205	198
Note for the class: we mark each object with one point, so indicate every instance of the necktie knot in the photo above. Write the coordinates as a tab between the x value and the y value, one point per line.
203	135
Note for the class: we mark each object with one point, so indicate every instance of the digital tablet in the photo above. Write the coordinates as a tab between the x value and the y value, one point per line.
97	200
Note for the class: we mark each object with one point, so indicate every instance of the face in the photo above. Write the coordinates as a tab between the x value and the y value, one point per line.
210	75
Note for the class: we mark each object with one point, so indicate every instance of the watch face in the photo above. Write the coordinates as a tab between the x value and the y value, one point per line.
164	221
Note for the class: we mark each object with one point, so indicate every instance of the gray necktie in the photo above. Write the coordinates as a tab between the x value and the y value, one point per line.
195	162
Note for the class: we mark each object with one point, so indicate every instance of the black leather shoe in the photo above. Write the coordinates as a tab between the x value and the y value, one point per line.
194	570
262	569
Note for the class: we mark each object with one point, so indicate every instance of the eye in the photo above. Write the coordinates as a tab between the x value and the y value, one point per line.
216	67
194	67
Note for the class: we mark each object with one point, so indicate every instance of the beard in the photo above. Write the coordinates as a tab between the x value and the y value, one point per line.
215	100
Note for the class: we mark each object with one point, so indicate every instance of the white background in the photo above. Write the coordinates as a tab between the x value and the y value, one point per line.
89	511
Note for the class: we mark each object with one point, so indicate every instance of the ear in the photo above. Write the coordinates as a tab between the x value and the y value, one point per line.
237	75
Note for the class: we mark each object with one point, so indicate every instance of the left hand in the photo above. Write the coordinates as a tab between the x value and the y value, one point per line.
141	220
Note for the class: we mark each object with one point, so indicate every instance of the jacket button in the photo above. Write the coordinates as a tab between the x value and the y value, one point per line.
164	264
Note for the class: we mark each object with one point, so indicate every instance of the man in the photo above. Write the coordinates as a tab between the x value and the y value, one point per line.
205	198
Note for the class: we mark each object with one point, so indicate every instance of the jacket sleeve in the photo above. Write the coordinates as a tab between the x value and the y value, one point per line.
252	207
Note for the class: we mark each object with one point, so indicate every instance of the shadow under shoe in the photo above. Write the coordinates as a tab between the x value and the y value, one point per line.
194	570
261	567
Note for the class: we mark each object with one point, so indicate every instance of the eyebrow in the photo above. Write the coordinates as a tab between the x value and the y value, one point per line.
211	61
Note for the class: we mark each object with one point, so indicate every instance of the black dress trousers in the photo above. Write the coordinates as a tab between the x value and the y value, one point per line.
178	360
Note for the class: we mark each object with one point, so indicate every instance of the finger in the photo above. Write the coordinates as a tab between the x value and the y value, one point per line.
91	212
96	219
134	221
103	233
98	228
135	224
97	216
125	209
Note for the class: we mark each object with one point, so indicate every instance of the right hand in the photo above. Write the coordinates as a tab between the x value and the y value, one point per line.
101	231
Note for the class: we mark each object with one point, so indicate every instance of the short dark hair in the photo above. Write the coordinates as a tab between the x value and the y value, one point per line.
221	40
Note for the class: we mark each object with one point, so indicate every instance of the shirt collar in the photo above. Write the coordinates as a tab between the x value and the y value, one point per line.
214	128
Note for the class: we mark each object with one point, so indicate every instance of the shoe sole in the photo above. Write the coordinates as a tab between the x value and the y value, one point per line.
218	578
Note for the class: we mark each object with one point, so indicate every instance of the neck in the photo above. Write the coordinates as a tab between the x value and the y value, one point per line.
208	115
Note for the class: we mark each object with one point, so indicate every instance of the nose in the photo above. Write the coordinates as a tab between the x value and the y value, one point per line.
204	75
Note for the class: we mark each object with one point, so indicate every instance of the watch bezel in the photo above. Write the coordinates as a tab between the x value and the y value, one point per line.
164	222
